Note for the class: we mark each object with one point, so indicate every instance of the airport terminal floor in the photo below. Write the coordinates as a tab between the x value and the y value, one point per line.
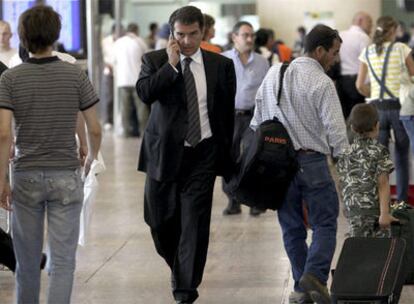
246	261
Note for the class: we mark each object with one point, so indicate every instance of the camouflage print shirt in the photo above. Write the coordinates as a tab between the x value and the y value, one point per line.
359	167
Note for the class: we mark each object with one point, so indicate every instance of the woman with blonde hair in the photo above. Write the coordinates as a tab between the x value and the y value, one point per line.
384	61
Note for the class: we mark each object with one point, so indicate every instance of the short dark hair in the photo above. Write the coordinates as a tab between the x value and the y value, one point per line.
301	30
239	24
39	27
321	35
133	28
187	15
262	37
153	26
363	118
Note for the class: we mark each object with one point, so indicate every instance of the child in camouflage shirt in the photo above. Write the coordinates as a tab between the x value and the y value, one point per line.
363	174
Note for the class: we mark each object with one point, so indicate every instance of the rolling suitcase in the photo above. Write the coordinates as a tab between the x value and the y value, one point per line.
405	213
369	271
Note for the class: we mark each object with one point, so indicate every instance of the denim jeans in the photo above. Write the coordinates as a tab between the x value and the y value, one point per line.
59	195
390	119
313	185
408	123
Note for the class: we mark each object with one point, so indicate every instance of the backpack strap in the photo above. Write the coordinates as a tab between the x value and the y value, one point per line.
281	75
381	82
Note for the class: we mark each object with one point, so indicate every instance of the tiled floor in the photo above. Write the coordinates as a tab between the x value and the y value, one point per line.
246	262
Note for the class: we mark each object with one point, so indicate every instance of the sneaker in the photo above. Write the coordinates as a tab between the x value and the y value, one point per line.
297	297
317	291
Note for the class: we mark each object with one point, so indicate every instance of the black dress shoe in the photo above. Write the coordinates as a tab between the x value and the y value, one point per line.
232	211
232	208
43	261
256	211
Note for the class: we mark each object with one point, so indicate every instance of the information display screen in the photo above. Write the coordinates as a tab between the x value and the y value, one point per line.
70	11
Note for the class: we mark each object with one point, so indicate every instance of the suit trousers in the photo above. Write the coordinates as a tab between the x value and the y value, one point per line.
241	124
182	231
348	93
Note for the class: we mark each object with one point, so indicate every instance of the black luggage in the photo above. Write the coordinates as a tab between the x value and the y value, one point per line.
7	257
405	213
369	271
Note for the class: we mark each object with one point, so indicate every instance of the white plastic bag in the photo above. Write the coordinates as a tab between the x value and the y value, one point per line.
90	189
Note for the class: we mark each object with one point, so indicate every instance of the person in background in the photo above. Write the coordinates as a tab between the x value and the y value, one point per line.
387	101
310	110
402	34
151	38
162	37
250	68
411	42
283	51
107	81
263	45
209	33
298	47
127	60
6	51
229	44
355	39
46	155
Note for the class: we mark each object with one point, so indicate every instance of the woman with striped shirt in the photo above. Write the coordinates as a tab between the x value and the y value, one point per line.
384	61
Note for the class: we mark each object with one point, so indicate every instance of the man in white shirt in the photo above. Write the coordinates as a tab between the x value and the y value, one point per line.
310	111
128	52
6	51
107	82
355	39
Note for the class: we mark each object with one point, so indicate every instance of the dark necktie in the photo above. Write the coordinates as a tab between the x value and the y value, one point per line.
194	129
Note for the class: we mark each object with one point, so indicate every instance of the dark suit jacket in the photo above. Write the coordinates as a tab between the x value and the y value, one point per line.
160	86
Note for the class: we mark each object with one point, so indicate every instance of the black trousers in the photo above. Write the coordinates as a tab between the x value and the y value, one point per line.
179	215
7	257
241	124
348	93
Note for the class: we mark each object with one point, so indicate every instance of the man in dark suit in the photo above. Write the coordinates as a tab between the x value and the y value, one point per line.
186	144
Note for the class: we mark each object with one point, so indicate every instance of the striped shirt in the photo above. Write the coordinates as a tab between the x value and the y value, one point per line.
45	96
395	67
309	107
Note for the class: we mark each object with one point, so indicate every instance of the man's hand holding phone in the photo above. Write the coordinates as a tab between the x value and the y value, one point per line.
173	50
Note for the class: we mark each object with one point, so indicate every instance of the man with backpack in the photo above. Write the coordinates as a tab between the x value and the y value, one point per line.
310	111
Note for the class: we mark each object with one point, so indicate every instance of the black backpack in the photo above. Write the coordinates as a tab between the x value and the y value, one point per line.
266	165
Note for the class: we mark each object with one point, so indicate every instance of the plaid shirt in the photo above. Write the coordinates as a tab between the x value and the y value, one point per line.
309	108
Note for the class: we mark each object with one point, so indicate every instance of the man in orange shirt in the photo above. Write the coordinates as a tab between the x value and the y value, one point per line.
284	52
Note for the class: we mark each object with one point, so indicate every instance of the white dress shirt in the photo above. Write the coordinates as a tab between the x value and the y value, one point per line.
197	68
309	107
354	40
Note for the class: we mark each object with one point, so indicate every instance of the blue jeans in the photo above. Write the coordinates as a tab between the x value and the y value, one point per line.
390	119
59	195
408	123
312	184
